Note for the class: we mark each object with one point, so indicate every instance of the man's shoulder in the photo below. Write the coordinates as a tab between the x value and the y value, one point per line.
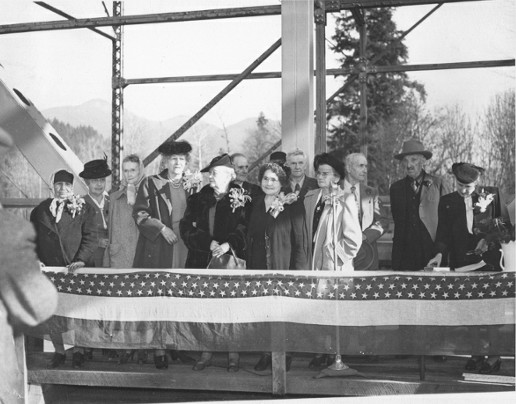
397	184
310	181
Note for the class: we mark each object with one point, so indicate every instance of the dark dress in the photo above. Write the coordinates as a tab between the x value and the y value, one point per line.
100	218
275	243
70	240
453	239
228	226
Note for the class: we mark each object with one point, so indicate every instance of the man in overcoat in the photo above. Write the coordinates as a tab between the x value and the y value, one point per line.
414	202
370	211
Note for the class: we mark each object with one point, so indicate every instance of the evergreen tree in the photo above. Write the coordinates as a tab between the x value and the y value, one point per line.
387	93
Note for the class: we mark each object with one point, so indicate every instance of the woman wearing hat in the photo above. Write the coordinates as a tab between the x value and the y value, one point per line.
94	174
215	221
459	240
160	205
332	226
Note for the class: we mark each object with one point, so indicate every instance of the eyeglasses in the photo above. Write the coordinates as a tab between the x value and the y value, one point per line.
270	179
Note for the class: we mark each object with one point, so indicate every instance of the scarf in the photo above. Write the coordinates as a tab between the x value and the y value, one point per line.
56	208
132	189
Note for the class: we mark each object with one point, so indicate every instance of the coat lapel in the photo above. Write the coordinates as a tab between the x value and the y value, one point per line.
163	190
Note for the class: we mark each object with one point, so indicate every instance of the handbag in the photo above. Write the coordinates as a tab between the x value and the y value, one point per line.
227	261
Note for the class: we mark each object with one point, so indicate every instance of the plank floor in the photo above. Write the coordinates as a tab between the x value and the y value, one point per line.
105	381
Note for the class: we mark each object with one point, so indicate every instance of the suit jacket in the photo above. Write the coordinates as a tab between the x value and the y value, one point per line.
432	189
349	234
308	184
72	239
152	211
373	225
453	239
27	298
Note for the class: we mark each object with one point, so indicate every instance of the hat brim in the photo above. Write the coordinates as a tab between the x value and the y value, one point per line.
425	153
93	176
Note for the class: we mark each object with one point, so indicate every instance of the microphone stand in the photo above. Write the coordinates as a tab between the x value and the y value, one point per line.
338	364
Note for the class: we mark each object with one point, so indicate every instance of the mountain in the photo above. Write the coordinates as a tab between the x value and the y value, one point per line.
142	135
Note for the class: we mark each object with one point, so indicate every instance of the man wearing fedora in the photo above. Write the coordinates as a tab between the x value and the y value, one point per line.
414	202
370	211
94	174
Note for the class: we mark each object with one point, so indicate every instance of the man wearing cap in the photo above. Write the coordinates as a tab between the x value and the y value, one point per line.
241	167
27	297
414	202
94	174
65	236
298	180
215	221
370	211
278	157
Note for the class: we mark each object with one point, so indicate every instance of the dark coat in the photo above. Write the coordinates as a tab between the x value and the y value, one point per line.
453	239
152	211
403	224
308	184
284	249
101	232
229	226
27	298
252	189
76	235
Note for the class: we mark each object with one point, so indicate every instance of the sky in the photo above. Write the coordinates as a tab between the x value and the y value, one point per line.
70	67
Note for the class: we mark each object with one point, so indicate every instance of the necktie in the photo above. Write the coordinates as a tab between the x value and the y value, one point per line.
297	188
469	213
353	191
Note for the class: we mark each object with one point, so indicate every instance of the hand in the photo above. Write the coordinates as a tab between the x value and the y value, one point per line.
103	243
481	247
220	250
74	266
169	236
214	244
436	261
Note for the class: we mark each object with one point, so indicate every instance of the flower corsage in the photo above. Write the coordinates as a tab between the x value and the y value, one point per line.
277	205
238	198
192	181
74	204
484	200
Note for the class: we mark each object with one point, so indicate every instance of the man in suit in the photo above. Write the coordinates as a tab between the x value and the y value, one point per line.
241	166
370	211
94	174
298	180
414	202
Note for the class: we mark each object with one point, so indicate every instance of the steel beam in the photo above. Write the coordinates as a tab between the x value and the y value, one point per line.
117	101
215	99
255	164
202	15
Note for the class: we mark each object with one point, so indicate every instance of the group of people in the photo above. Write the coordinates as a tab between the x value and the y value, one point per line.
289	221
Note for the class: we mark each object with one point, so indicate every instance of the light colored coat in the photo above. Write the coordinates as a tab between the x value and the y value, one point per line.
27	297
348	234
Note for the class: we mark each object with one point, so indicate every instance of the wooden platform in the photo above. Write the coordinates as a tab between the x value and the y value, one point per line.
388	376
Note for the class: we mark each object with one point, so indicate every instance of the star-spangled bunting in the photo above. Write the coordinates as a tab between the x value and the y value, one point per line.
391	287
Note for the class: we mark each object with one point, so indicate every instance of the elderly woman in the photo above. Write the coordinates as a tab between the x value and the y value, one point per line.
160	205
214	222
332	226
275	235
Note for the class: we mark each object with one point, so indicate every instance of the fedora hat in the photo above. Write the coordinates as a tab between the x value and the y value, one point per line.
413	146
223	160
95	169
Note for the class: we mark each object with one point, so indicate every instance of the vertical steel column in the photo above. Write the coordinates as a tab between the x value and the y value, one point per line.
117	100
362	78
320	77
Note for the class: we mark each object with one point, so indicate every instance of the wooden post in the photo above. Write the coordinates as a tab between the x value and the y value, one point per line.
279	370
320	77
297	106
